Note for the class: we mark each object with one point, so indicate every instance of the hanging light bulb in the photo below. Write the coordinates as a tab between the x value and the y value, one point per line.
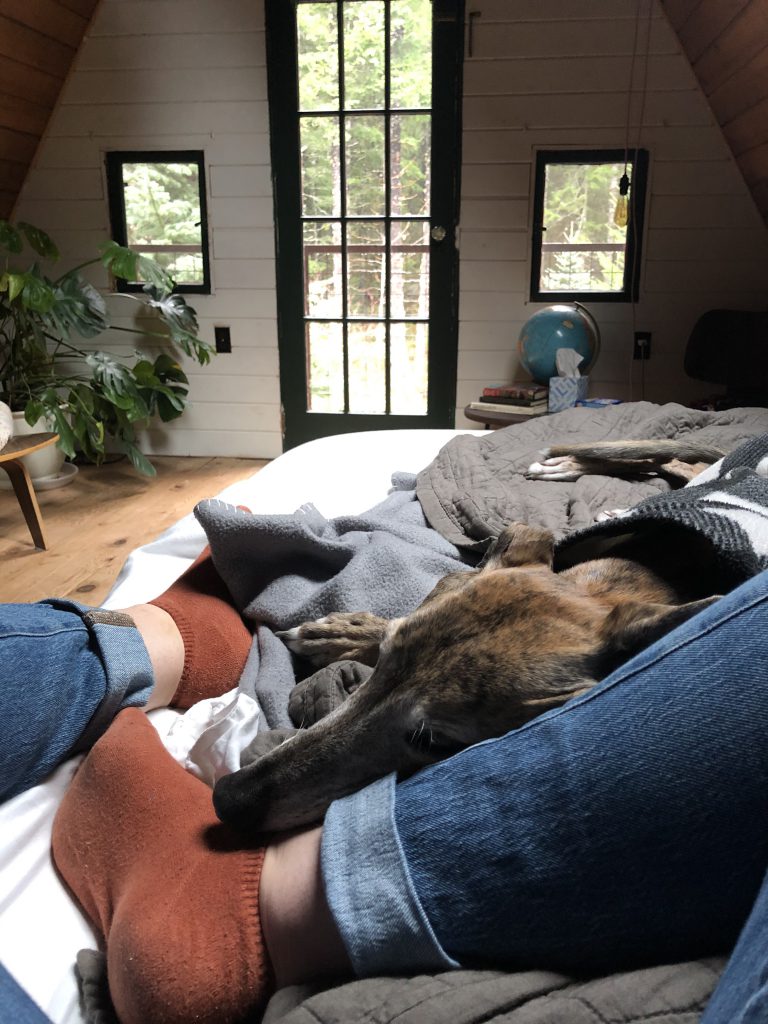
621	213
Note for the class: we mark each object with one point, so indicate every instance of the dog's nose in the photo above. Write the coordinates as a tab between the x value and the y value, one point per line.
239	801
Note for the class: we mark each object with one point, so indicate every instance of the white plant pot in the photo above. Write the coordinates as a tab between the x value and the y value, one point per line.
48	461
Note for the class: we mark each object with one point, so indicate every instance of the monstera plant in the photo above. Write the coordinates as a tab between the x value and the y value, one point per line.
95	400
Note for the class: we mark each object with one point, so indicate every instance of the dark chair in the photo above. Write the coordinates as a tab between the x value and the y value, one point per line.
730	348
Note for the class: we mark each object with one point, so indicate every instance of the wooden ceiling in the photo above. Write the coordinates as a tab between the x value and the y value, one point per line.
38	42
726	42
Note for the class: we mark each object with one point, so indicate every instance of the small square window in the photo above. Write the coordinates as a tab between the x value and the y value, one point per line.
157	207
581	247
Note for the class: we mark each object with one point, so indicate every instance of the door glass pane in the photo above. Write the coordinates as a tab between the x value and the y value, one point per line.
367	363
325	367
364	55
366	269
408	361
318	56
366	263
323	269
320	167
410	163
365	165
410	34
409	282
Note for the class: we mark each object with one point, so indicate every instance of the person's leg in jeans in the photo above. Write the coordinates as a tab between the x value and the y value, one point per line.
741	996
67	669
626	828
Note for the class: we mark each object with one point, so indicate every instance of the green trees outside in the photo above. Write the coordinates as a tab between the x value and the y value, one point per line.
162	207
579	205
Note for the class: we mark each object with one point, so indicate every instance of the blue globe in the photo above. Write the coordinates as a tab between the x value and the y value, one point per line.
566	325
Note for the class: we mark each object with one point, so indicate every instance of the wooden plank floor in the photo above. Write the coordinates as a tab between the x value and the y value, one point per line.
93	523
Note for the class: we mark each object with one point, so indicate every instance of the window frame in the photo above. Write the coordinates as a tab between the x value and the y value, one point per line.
635	226
114	161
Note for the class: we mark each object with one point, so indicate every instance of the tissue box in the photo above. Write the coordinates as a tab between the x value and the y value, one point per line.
565	392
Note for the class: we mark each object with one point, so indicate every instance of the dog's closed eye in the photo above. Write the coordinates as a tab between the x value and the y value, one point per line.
432	743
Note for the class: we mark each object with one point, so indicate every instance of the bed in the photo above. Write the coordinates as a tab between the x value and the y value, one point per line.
41	929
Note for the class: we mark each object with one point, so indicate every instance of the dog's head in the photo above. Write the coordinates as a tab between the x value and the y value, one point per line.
487	651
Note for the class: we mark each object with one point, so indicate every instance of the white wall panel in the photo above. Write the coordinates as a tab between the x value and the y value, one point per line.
180	74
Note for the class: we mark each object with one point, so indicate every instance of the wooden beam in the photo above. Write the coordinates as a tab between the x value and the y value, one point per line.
28	83
49	18
27	46
740	41
22	116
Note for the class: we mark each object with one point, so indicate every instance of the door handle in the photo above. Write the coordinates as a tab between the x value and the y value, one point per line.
438	233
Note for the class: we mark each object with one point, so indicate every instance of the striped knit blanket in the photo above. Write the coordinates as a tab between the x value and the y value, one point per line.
727	505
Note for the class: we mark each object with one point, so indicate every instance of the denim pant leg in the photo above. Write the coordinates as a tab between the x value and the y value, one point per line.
16	1005
741	996
65	672
626	828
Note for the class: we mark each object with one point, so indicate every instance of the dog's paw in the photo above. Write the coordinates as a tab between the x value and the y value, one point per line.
556	467
343	636
610	513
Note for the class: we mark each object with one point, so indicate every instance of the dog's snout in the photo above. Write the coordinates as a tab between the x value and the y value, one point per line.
238	800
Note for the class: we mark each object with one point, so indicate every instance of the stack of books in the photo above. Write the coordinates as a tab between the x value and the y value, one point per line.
523	399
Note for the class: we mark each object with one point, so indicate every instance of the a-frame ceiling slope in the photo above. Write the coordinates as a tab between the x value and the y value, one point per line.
726	42
38	42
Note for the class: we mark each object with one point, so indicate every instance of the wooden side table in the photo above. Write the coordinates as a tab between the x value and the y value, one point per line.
10	461
494	420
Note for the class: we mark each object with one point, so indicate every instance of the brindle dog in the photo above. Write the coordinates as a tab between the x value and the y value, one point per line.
487	651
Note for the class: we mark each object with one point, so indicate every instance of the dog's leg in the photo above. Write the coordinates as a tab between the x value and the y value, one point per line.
679	459
342	636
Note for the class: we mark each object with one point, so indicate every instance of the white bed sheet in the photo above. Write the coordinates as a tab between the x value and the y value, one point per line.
41	929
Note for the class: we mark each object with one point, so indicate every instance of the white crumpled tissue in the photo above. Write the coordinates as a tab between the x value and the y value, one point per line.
208	739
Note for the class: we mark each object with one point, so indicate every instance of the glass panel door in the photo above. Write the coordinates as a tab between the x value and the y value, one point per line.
365	224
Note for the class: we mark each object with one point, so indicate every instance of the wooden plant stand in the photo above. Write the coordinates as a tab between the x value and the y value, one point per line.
10	461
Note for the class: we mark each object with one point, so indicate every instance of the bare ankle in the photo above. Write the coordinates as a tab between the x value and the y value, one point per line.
165	647
299	931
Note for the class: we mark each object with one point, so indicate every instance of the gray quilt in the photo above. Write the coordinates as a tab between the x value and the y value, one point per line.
476	485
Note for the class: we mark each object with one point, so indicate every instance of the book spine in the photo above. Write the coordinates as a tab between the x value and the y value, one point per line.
504	400
514	392
512	410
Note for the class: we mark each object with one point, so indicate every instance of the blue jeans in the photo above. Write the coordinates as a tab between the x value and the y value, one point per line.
627	828
66	670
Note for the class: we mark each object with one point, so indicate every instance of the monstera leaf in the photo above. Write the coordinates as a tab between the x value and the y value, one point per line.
95	399
79	307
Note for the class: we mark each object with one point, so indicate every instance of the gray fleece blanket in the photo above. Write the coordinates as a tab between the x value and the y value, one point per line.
286	569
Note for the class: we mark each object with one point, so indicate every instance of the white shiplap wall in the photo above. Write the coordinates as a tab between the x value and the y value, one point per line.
180	74
548	74
190	74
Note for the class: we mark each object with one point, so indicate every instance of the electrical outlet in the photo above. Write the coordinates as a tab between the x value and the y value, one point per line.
642	348
222	338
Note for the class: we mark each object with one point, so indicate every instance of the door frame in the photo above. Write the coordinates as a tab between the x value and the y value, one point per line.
297	424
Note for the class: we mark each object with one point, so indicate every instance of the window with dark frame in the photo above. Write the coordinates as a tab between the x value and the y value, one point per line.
588	225
157	207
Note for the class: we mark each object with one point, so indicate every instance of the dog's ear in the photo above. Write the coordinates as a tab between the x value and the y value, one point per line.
520	544
634	625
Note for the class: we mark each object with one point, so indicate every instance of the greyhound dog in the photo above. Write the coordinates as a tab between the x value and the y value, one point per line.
487	651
